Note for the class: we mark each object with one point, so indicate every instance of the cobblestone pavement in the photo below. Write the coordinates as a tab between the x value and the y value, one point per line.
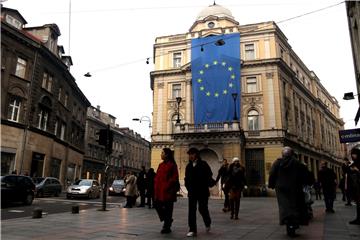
258	219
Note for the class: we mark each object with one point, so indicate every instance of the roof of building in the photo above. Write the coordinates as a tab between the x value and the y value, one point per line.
214	10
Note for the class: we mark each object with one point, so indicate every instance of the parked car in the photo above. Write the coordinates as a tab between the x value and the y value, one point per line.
117	187
47	186
17	188
84	188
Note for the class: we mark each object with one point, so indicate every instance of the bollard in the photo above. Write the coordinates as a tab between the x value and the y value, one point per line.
75	209
37	213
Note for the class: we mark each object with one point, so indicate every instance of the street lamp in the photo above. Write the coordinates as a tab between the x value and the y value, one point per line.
349	96
143	118
234	96
178	100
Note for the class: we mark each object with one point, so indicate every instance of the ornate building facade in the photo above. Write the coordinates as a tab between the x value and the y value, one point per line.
283	103
43	111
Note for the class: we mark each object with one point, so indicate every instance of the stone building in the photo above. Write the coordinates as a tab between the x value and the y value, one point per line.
282	102
43	111
129	150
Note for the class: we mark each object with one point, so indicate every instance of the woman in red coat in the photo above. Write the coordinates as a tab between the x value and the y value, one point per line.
166	185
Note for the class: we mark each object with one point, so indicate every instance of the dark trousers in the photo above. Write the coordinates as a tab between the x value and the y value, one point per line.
150	199
142	197
203	209
226	200
318	194
235	202
329	197
165	212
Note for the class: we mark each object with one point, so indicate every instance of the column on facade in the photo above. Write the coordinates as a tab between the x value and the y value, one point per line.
188	100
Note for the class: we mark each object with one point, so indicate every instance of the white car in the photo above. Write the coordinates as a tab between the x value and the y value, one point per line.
84	188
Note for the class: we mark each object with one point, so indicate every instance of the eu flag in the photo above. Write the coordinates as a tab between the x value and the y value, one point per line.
215	67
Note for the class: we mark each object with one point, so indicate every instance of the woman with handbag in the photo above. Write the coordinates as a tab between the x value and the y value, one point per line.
235	184
166	185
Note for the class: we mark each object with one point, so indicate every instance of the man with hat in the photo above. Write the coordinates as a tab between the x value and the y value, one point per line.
198	179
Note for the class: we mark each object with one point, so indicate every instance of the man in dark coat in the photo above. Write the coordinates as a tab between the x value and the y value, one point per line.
222	176
141	185
288	176
198	179
327	178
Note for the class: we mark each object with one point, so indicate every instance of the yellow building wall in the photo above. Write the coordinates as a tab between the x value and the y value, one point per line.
270	155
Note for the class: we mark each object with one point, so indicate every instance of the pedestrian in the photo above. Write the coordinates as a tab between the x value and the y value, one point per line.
141	185
130	190
342	187
222	176
327	178
317	188
344	168
166	186
353	181
150	175
198	179
288	176
235	183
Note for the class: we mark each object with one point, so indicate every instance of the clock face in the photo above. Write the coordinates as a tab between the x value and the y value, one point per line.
211	24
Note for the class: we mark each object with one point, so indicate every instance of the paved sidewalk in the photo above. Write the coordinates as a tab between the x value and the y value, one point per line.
258	220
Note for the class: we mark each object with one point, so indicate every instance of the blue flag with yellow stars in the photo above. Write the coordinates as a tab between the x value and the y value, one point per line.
215	67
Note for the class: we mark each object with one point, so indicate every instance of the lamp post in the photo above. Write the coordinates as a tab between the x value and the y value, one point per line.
234	96
178	101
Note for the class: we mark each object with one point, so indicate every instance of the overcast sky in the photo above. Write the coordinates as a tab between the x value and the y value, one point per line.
112	39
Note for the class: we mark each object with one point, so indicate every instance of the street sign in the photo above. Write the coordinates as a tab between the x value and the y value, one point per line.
349	135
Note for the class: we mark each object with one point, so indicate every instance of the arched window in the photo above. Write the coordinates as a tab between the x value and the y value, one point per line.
253	120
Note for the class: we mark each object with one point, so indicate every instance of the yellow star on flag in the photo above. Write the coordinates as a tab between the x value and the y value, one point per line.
225	92
208	94
230	69
223	63
216	94
215	62
199	80
201	72
207	65
231	85
232	76
202	88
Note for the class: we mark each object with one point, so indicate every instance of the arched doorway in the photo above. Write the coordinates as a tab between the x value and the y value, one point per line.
214	161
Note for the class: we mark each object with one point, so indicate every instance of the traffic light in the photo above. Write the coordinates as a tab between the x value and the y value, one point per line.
106	137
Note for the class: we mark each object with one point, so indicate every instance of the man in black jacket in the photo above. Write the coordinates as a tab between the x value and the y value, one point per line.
327	178
198	179
222	176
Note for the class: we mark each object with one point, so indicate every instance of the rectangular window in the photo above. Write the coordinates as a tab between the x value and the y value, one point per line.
43	118
66	100
177	60
14	109
176	90
60	93
47	81
251	85
21	67
56	127
62	133
249	51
